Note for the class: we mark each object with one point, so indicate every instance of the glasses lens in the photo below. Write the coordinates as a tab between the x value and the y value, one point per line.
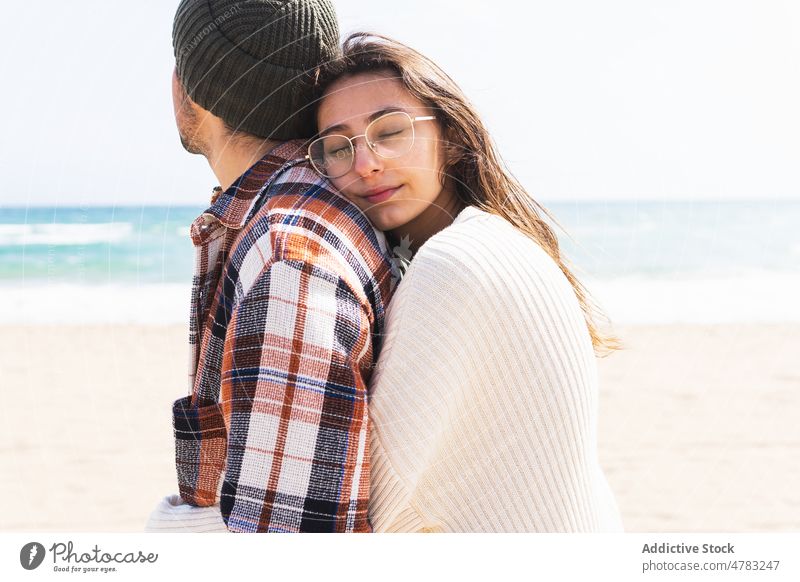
332	155
392	135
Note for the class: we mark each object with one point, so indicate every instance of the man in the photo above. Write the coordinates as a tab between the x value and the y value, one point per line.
289	291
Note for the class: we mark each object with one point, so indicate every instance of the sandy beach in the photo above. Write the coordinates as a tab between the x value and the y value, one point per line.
699	426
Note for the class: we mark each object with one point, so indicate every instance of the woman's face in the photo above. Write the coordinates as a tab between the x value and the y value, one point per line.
392	192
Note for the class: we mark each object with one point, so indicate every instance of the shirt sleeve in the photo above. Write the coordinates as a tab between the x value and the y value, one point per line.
289	435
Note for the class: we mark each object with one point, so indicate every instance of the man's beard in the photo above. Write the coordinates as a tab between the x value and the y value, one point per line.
188	129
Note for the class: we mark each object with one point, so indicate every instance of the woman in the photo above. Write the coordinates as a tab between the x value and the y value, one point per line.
484	399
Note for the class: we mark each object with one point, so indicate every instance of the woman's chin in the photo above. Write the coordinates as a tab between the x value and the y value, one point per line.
386	216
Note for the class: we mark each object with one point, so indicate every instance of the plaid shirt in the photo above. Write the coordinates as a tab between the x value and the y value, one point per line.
290	285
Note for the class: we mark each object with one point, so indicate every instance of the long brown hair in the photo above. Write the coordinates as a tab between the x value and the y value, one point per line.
480	176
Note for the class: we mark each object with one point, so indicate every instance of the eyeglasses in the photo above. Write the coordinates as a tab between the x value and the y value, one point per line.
389	136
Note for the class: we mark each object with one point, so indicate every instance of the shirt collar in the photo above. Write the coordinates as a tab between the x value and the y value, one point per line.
232	207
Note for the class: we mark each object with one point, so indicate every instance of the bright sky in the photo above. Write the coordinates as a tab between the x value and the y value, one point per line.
593	100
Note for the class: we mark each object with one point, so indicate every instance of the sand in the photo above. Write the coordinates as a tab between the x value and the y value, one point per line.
699	426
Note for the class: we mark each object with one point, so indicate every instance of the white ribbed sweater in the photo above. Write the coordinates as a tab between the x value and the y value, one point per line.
484	400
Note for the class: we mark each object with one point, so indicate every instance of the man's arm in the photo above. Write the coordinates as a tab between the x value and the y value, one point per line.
297	354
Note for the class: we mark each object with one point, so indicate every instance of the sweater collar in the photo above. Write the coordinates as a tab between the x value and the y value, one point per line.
468	212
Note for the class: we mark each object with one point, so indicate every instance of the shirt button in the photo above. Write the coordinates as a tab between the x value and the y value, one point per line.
208	220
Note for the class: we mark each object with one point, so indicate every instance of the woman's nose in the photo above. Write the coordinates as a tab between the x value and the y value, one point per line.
366	161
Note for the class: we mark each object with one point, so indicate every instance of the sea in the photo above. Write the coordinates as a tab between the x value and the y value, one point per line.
644	262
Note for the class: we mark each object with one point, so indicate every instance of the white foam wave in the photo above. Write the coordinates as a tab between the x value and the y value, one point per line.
158	303
766	298
64	234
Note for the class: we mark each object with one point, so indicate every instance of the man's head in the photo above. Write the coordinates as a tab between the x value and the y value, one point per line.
243	66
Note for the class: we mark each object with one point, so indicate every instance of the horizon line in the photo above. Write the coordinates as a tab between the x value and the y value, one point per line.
540	200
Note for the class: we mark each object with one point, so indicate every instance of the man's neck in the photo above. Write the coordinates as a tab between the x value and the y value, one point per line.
229	159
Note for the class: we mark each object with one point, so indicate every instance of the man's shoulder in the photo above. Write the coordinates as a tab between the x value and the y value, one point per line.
300	191
300	203
304	219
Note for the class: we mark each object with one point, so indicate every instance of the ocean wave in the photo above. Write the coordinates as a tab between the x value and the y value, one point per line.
61	234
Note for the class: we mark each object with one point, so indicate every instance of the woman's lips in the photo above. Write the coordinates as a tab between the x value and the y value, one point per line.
382	195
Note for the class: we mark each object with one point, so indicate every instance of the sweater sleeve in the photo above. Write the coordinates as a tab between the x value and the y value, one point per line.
289	436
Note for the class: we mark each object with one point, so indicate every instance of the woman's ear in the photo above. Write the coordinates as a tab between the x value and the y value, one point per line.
452	152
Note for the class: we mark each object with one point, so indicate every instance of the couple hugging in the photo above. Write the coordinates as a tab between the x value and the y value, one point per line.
384	335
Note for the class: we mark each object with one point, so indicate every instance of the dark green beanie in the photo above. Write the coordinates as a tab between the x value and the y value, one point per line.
248	61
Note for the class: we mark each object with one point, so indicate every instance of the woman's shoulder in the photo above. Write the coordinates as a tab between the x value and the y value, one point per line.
483	257
480	273
471	228
479	241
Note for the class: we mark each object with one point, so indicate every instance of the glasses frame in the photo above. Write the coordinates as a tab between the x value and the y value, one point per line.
370	145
